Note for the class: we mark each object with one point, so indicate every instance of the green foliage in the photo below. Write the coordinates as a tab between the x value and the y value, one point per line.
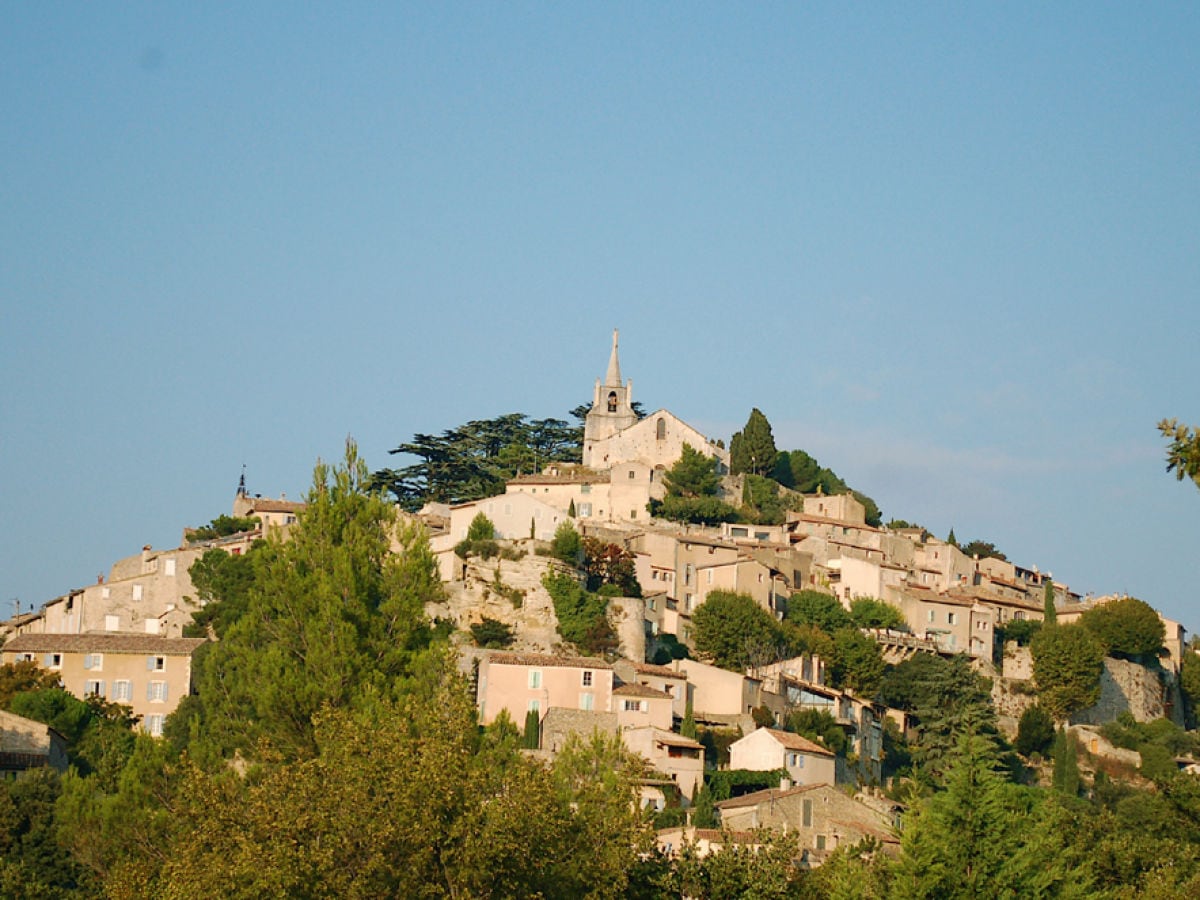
1022	631
1183	449
1065	778
475	460
735	632
807	476
693	510
223	582
669	647
491	633
946	699
567	545
1049	610
983	550
867	612
1128	628
704	812
481	529
767	869
761	503
531	737
1189	683
582	616
1067	662
822	610
687	727
32	863
752	450
610	564
763	717
820	726
727	783
20	677
223	526
1035	731
857	663
333	612
694	474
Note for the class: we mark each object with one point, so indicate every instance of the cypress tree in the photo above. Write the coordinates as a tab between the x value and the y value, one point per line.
1051	613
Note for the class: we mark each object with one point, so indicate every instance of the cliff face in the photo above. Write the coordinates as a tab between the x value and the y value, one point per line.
1143	692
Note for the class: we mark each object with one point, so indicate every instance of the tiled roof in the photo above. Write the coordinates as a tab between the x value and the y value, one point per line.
275	506
564	477
760	796
102	643
796	742
640	690
660	671
547	661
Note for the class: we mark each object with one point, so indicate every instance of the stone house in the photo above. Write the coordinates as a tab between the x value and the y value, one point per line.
639	706
839	507
681	759
27	744
662	678
703	841
524	682
148	673
956	623
823	817
765	749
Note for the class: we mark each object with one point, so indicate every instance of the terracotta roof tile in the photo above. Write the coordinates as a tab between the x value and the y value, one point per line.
546	660
796	742
640	690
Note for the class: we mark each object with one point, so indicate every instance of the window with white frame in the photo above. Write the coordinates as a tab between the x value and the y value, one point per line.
95	688
122	690
534	706
633	706
535	679
94	661
156	663
137	592
951	618
156	692
112	623
587	678
154	725
52	661
169	568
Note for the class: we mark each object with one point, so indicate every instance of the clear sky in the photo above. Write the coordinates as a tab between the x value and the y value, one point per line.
953	251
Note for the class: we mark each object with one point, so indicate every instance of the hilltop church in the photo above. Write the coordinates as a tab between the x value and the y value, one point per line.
613	434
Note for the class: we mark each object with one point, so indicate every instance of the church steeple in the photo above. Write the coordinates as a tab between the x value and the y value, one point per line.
613	377
612	408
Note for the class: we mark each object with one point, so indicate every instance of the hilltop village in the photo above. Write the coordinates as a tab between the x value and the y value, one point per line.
772	674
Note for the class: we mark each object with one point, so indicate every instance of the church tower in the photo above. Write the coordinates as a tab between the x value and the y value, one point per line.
612	408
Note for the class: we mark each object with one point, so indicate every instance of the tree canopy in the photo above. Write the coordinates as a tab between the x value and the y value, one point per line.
735	631
1127	627
1183	449
475	460
1067	661
691	485
752	449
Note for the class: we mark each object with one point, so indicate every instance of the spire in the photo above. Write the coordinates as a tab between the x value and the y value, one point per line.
613	376
241	491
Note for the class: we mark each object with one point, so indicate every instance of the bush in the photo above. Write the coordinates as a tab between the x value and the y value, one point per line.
1067	662
582	616
867	612
567	544
1127	627
492	633
481	529
1020	630
1035	732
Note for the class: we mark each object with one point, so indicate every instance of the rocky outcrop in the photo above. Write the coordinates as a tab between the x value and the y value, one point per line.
1125	686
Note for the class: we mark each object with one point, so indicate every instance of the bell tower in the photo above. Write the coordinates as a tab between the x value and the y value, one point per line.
612	409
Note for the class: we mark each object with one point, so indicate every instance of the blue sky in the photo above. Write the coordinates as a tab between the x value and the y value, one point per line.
952	251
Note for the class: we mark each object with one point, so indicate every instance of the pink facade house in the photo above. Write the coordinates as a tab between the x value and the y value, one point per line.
521	682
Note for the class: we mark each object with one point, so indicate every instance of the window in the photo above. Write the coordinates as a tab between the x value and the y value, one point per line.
585	510
687	603
169	568
52	661
633	514
585	489
632	474
660	430
535	679
708	576
806	813
137	592
534	706
156	692
650	604
154	725
951	618
156	663
112	623
93	688
122	690
587	701
820	842
93	661
931	614
104	592
587	678
633	706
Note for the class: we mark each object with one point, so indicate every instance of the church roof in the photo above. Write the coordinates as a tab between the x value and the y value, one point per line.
613	376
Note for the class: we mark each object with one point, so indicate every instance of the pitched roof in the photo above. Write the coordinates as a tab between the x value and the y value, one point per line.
795	742
265	505
103	643
661	671
761	796
505	658
640	690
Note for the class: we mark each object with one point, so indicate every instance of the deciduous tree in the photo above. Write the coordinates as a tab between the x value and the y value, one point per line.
1067	661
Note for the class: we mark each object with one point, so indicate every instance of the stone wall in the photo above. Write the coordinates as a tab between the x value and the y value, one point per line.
1128	687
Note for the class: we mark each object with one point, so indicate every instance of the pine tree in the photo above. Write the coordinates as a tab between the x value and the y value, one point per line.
753	448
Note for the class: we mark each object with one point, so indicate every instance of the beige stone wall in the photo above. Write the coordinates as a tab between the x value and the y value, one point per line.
511	514
842	507
760	752
645	442
1127	687
717	692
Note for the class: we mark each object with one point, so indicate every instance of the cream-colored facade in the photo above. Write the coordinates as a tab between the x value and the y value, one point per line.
148	673
718	694
679	758
524	682
765	749
641	706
